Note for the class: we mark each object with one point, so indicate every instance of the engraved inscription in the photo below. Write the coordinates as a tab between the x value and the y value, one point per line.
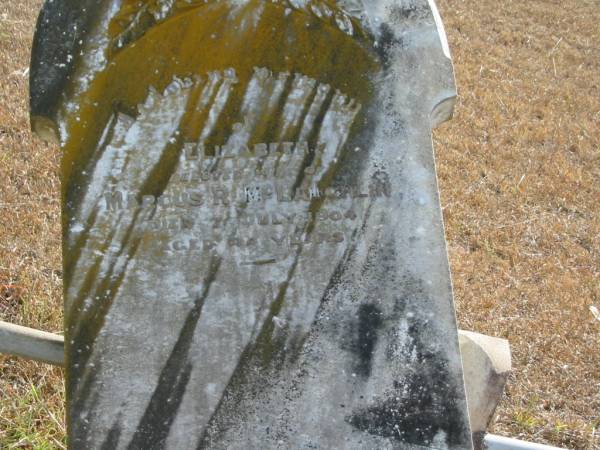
244	194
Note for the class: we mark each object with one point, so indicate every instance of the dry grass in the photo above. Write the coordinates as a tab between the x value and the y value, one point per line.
520	175
519	168
31	395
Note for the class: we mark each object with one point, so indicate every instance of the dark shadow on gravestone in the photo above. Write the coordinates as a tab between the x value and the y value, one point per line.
253	244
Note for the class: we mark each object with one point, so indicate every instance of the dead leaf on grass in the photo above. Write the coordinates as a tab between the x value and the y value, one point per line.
10	301
595	312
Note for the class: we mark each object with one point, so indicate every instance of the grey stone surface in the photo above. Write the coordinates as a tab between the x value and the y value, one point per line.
253	243
486	365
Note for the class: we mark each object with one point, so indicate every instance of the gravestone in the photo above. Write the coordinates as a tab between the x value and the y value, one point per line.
253	244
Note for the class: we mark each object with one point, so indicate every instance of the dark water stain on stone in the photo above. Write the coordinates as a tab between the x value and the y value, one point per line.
420	406
114	435
417	411
366	336
155	425
387	41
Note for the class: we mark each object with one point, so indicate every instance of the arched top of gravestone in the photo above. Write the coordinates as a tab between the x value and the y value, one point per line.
75	33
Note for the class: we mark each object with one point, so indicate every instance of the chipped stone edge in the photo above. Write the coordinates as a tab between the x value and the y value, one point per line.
444	108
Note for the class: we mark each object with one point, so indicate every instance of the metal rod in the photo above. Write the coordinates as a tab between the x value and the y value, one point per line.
32	344
493	442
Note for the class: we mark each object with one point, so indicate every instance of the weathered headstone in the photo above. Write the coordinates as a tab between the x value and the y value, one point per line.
253	245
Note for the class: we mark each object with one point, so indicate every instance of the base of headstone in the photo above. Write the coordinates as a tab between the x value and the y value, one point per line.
486	364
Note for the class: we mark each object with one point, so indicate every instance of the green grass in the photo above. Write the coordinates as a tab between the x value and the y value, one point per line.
39	423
